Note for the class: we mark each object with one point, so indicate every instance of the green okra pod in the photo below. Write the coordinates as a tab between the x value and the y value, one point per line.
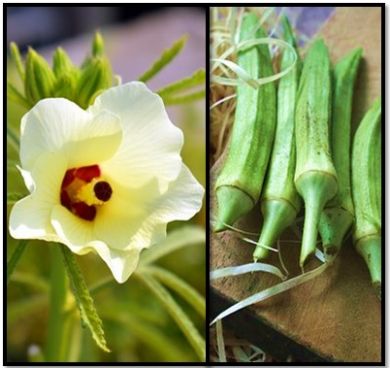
315	175
338	216
280	201
240	181
366	191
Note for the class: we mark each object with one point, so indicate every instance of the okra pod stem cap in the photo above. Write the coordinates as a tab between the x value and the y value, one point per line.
232	204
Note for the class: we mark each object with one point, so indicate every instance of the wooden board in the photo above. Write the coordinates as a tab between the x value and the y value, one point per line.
337	316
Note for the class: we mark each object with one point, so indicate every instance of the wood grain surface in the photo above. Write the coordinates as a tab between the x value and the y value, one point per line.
337	315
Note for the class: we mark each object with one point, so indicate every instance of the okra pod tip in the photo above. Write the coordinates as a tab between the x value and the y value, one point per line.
278	214
316	188
370	249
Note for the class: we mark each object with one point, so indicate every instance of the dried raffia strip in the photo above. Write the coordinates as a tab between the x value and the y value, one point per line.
246	268
220	342
260	245
243	75
236	229
227	98
274	290
281	258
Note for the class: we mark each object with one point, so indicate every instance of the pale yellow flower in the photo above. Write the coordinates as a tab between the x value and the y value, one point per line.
106	179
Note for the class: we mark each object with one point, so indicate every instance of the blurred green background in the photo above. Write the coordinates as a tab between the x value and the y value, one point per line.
136	325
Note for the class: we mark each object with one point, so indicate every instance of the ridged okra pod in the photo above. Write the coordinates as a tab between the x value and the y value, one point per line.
366	190
240	181
338	216
315	175
280	201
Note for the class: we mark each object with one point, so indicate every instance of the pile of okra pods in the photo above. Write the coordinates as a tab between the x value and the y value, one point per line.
290	148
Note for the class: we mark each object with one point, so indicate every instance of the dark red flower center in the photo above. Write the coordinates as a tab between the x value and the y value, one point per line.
82	192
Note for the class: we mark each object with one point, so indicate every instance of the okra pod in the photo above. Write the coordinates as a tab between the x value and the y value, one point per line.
338	216
240	181
315	175
366	190
280	201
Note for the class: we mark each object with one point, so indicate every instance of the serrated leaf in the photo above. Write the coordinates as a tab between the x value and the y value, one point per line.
165	58
88	313
182	237
178	315
178	100
196	79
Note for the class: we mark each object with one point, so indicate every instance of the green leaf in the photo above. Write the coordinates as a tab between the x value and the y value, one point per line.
84	300
180	238
17	59
34	281
12	138
148	334
173	100
181	319
23	308
15	96
15	257
185	290
12	164
13	197
194	80
166	57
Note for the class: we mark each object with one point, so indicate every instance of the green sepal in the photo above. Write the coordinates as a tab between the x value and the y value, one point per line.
40	79
96	76
62	64
97	45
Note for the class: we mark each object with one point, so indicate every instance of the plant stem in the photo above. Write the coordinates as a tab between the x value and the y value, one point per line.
15	258
58	288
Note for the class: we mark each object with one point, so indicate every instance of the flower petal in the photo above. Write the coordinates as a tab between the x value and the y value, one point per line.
151	143
56	124
30	217
120	218
27	178
77	235
181	201
72	231
121	263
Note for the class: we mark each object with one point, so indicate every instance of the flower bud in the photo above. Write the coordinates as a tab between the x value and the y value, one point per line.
96	76
98	45
66	86
39	82
61	63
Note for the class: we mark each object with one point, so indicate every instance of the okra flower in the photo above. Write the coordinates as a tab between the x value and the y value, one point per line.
107	179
